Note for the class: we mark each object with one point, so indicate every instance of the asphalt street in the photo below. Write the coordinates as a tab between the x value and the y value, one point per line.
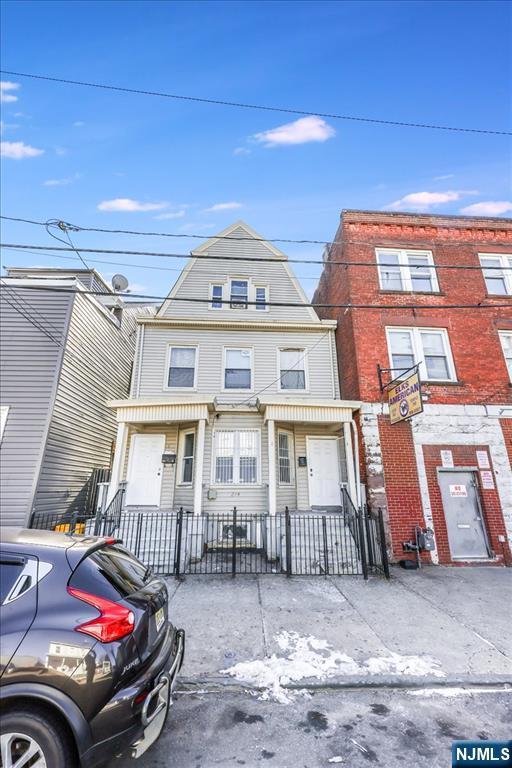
351	728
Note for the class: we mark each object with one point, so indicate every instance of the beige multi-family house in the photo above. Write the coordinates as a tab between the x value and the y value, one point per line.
235	399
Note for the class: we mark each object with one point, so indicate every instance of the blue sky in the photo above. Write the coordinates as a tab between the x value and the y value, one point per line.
135	162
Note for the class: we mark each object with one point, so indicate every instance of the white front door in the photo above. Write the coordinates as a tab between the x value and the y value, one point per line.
323	472
145	470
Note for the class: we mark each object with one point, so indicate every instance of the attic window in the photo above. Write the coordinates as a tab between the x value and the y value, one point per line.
216	297
239	294
260	294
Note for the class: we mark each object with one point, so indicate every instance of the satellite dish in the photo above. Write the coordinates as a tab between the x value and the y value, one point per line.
119	283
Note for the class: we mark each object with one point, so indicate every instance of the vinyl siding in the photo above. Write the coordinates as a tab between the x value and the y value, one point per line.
210	360
197	281
30	364
96	367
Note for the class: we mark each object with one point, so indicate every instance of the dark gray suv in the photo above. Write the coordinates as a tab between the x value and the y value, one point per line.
88	654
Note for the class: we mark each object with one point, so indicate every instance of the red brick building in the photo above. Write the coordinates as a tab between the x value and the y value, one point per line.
448	468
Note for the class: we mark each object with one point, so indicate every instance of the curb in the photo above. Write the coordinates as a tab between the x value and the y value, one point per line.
354	683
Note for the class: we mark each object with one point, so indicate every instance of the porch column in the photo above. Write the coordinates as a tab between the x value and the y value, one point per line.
349	455
198	466
117	464
272	496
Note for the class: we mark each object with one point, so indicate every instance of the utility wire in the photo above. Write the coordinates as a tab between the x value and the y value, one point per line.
258	259
61	225
271	303
13	301
248	238
245	105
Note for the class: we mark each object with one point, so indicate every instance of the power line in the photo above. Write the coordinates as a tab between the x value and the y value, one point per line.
245	105
14	302
271	303
248	238
258	259
212	275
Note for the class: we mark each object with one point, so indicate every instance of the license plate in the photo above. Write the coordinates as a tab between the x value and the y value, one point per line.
159	619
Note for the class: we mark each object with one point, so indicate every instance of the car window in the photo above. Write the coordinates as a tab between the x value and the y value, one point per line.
111	572
10	571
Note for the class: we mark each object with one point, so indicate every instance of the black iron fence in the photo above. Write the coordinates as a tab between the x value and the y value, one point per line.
350	543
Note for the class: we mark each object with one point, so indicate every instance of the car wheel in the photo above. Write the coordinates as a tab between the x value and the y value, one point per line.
29	737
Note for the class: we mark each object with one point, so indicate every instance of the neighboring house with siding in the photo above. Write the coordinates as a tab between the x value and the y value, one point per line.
64	353
234	399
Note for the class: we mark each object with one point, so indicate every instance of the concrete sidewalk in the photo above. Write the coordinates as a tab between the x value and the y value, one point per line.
436	626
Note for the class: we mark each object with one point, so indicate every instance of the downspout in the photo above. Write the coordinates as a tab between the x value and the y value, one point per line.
333	372
356	462
140	355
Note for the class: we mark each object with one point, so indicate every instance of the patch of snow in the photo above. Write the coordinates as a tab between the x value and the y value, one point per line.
452	692
308	657
335	759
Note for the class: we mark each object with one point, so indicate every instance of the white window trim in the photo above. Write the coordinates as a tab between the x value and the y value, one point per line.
291	453
267	296
4	412
220	284
505	260
236	465
305	352
171	346
405	270
502	335
225	284
223	372
417	348
181	456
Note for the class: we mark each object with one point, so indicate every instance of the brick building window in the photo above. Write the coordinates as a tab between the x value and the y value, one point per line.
497	269
506	345
429	347
404	270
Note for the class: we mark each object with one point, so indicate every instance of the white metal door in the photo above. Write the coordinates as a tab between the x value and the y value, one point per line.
463	515
323	472
145	470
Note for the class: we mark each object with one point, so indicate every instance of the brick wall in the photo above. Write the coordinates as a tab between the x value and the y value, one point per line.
402	485
480	366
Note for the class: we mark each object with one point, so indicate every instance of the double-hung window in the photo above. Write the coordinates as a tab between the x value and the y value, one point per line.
292	369
216	296
239	294
260	297
285	457
237	368
182	367
429	347
187	457
236	457
497	269
506	345
404	270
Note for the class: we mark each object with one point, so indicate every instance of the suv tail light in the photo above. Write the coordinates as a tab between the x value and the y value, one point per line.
114	622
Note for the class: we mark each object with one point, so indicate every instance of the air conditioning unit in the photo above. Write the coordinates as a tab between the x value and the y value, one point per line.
237	305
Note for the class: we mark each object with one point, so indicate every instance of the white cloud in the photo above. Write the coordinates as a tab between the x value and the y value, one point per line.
7	126
17	150
223	207
78	124
241	151
301	131
127	205
422	201
5	88
170	215
61	151
61	182
445	177
489	208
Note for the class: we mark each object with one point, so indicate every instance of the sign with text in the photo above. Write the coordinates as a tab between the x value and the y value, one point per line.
447	458
487	480
482	458
404	398
458	490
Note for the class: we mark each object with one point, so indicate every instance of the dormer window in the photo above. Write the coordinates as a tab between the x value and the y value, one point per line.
239	292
